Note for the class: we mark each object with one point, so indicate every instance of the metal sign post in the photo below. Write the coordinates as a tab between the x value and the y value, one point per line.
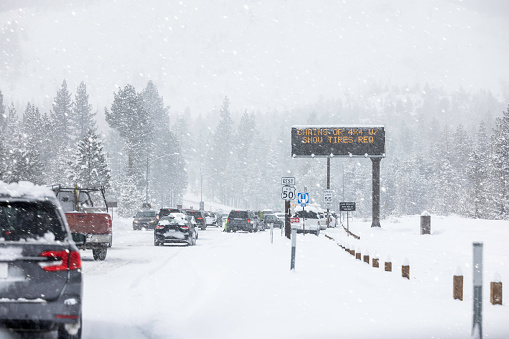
303	200
477	321
287	194
345	206
294	242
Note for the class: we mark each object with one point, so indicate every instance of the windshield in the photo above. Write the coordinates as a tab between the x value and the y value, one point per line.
30	220
146	214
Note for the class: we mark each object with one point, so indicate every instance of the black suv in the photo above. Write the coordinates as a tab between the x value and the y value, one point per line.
243	220
40	266
199	217
145	219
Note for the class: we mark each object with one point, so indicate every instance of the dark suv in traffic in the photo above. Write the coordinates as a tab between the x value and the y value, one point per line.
243	220
199	217
145	219
40	266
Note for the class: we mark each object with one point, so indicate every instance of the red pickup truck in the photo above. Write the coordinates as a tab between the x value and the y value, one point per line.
91	226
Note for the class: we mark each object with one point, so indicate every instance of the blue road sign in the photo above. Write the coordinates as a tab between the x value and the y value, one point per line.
303	199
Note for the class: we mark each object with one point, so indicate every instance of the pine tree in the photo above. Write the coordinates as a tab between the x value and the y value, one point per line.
500	159
478	174
130	118
89	167
62	116
82	112
3	114
219	159
23	161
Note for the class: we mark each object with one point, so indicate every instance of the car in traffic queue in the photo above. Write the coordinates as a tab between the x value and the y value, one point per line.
40	266
145	219
243	220
167	211
274	220
211	219
199	216
308	221
175	228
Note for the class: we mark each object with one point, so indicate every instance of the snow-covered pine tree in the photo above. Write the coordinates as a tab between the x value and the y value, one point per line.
82	112
130	118
3	114
89	167
62	116
478	174
219	158
23	160
129	199
500	160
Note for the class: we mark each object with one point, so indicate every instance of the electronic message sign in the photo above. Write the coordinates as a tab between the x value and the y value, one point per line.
343	141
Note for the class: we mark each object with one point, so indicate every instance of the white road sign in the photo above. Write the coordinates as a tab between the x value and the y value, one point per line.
328	196
288	181
288	193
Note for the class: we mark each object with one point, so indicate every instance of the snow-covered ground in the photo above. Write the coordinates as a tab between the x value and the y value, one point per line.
239	285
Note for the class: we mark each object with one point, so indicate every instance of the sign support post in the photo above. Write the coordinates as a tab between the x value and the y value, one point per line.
287	194
376	192
477	322
328	187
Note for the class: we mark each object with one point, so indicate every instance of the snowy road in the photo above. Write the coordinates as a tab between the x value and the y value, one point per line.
240	286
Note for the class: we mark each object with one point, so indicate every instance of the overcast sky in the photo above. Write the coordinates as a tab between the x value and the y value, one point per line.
263	55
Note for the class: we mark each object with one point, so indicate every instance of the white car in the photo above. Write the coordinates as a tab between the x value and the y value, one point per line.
308	221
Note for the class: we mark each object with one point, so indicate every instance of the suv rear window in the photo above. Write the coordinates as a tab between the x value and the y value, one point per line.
306	214
238	214
30	220
166	211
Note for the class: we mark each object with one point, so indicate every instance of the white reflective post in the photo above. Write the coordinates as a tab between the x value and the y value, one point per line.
477	322
294	242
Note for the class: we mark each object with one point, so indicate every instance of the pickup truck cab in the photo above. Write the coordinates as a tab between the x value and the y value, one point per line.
308	221
91	226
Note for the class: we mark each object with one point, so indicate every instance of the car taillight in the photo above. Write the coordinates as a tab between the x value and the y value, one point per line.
61	260
199	218
184	227
248	221
159	227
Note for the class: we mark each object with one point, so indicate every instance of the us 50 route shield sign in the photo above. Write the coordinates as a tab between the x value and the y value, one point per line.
341	141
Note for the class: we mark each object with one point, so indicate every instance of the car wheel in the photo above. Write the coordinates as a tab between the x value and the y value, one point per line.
62	333
99	253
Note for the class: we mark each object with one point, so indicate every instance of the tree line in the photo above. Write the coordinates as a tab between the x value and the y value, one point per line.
63	146
446	153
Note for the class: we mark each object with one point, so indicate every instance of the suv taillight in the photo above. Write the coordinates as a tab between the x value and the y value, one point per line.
61	260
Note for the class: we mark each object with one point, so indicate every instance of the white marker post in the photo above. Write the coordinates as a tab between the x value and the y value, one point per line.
294	242
477	323
271	232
